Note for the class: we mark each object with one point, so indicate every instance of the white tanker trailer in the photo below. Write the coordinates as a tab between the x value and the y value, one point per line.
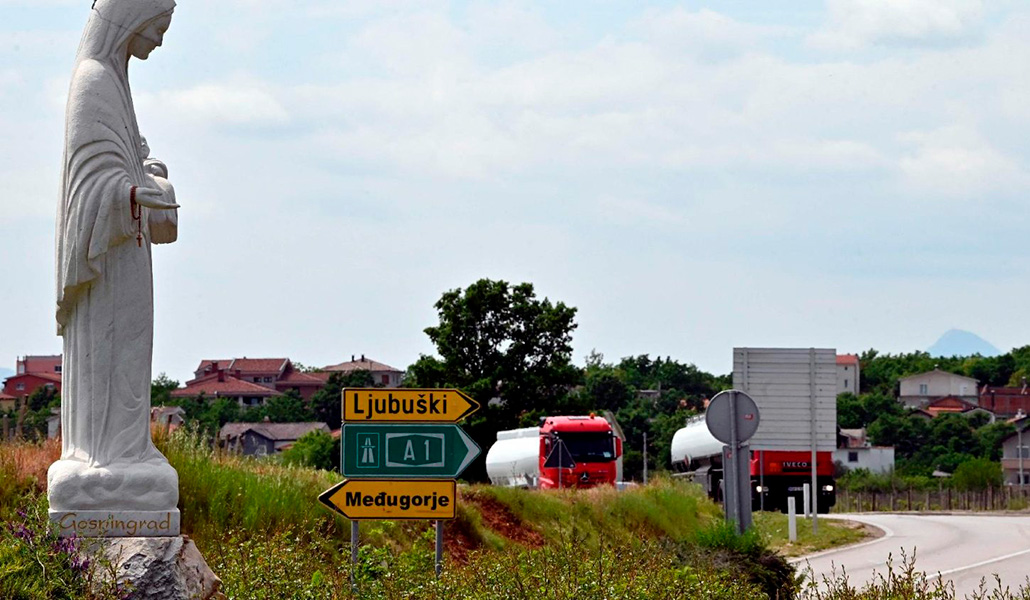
514	460
695	451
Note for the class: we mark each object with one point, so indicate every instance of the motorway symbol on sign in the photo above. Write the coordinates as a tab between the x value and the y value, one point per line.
420	451
379	405
368	499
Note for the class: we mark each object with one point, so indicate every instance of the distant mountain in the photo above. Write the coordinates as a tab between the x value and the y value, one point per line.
5	373
962	343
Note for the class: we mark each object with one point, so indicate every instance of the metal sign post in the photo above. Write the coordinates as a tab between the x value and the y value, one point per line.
439	548
354	556
733	418
815	437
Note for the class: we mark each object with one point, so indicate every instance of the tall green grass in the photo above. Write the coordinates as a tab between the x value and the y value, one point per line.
224	491
666	509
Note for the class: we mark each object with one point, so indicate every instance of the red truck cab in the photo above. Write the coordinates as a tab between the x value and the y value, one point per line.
579	452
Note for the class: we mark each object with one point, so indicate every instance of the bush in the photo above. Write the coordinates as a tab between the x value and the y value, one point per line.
315	450
977	474
748	555
903	581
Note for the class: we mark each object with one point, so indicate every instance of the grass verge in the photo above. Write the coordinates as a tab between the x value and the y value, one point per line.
833	533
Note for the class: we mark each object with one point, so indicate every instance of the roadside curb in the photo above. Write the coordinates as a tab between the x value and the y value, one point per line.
887	534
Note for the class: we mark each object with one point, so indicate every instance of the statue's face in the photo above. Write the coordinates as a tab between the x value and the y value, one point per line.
152	36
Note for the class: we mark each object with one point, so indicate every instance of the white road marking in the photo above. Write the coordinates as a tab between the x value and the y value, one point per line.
980	564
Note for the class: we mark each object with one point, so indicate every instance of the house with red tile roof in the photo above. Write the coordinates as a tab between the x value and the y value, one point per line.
383	375
276	374
848	373
222	385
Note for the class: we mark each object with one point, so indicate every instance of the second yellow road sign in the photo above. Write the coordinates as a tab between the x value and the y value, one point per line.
367	499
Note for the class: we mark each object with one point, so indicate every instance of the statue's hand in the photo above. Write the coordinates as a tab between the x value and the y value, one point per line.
155	199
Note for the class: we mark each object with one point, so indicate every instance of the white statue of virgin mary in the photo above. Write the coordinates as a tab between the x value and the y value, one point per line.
110	212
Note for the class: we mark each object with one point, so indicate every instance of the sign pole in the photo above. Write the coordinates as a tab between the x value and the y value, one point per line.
735	463
439	548
815	432
353	556
761	479
744	486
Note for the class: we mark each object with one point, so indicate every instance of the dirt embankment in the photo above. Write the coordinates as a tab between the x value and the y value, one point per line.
460	541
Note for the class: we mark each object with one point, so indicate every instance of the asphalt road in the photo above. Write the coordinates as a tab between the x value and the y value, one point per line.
961	548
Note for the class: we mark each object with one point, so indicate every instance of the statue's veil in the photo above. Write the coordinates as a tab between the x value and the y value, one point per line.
111	22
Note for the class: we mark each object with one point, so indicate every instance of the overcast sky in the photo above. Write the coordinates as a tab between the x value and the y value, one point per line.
693	176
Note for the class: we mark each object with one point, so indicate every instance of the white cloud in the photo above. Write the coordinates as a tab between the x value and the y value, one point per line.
214	104
958	162
704	32
857	23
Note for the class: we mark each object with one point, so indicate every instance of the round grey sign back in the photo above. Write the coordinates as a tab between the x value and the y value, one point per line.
717	417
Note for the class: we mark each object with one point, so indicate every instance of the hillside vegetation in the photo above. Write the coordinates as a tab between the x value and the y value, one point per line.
261	530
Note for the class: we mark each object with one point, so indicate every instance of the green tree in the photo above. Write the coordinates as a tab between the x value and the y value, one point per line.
287	408
880	404
317	450
607	391
850	411
953	431
218	413
325	403
499	340
990	438
37	410
161	390
910	436
977	474
677	381
675	392
496	340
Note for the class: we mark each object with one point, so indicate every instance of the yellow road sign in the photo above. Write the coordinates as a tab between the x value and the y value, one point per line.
379	405
388	499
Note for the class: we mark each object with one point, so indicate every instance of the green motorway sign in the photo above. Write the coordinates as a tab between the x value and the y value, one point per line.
415	451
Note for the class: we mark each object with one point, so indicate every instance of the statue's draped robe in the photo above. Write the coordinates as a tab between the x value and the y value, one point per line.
105	309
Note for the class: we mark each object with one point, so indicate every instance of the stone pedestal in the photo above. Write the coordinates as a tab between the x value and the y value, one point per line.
160	568
116	523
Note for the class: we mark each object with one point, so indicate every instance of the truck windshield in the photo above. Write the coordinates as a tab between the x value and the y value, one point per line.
589	447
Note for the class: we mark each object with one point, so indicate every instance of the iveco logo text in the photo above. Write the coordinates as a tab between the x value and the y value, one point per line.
795	465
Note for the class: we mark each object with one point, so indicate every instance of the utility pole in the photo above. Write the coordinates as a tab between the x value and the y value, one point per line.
645	458
1019	446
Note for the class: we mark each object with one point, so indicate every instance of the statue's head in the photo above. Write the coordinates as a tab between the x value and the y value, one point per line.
149	37
123	28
